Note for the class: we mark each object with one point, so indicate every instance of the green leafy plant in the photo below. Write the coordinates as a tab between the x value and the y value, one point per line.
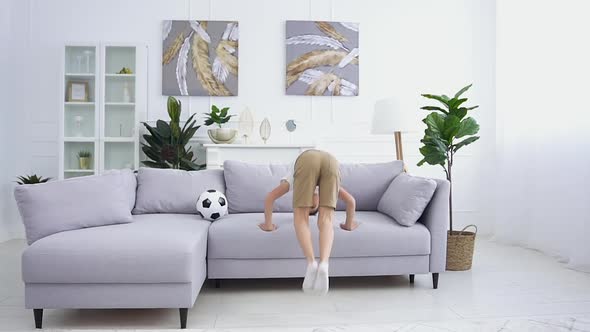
84	154
218	116
447	130
31	179
166	143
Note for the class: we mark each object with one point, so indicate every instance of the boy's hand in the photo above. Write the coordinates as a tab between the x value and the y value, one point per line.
349	226
267	228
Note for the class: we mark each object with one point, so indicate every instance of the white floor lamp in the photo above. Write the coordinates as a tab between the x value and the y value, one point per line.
388	119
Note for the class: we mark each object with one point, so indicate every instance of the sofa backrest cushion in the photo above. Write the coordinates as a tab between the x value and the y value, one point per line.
130	184
173	190
248	184
406	198
72	204
367	182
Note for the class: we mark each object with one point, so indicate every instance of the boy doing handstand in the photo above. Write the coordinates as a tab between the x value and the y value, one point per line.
313	168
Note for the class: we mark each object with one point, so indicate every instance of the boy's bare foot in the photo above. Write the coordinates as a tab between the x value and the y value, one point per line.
349	227
266	228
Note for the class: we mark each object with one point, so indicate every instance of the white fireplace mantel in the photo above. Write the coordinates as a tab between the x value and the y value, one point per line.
216	154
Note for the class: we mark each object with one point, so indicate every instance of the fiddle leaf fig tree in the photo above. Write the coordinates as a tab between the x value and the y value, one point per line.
448	129
166	144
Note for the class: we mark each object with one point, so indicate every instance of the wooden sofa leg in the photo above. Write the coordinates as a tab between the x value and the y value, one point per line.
412	278
217	283
38	313
435	280
183	317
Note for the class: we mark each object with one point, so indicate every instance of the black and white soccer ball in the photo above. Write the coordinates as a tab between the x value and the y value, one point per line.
212	205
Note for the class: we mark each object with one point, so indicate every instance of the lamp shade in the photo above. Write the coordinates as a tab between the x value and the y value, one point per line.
388	118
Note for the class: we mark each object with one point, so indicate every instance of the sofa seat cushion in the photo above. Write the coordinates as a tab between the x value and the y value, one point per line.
237	236
154	248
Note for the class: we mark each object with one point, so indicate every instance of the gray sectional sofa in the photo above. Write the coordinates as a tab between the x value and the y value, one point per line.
122	240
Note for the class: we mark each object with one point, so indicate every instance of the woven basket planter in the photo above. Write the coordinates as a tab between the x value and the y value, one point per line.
460	249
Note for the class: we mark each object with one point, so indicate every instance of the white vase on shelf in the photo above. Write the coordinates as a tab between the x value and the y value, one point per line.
126	93
78	119
265	130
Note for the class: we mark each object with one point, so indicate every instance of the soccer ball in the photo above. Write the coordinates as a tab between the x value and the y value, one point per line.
212	205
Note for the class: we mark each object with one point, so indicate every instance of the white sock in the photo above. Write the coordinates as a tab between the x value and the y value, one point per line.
322	280
310	275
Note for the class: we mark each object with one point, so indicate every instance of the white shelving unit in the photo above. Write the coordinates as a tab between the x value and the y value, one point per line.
106	124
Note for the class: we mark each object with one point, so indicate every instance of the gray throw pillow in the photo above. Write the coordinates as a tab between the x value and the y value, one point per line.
71	204
248	184
367	182
406	198
174	190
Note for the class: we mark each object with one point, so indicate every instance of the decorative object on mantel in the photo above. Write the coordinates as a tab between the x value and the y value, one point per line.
322	58
265	130
246	124
388	119
31	179
291	125
84	159
166	143
213	50
444	126
220	135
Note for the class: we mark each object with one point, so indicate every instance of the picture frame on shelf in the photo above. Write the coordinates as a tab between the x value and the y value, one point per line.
77	91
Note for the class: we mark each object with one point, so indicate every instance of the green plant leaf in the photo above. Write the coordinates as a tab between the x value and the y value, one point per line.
465	142
458	94
209	122
467	127
451	127
214	109
435	122
434	108
441	99
432	155
224	111
454	103
163	129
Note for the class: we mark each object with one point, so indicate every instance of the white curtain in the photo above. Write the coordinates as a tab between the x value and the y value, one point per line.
543	127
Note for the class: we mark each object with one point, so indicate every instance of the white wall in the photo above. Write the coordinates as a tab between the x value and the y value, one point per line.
407	48
13	142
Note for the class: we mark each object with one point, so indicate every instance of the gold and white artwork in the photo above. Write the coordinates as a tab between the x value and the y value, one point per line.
200	58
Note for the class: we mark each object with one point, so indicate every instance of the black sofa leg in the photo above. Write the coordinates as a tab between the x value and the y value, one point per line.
38	313
217	283
412	278
183	316
435	280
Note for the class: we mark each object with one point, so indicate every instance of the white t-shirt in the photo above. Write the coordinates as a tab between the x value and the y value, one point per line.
289	176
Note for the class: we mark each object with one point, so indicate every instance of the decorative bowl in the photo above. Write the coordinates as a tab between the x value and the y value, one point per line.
222	135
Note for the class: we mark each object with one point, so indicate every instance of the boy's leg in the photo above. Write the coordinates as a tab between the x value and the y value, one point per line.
326	232
301	216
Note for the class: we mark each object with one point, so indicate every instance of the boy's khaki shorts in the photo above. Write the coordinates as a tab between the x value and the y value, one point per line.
316	168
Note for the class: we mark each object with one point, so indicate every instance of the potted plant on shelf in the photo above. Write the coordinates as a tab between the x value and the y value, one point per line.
447	131
220	135
84	159
166	144
31	179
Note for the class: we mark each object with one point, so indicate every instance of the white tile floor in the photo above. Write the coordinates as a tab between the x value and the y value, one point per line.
508	288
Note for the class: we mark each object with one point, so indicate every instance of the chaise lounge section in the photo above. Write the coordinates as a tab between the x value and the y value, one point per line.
122	240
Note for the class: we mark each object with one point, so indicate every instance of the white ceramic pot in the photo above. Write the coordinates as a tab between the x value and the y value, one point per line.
222	135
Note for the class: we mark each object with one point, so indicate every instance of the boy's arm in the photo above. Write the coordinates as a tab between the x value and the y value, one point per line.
350	223
272	196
